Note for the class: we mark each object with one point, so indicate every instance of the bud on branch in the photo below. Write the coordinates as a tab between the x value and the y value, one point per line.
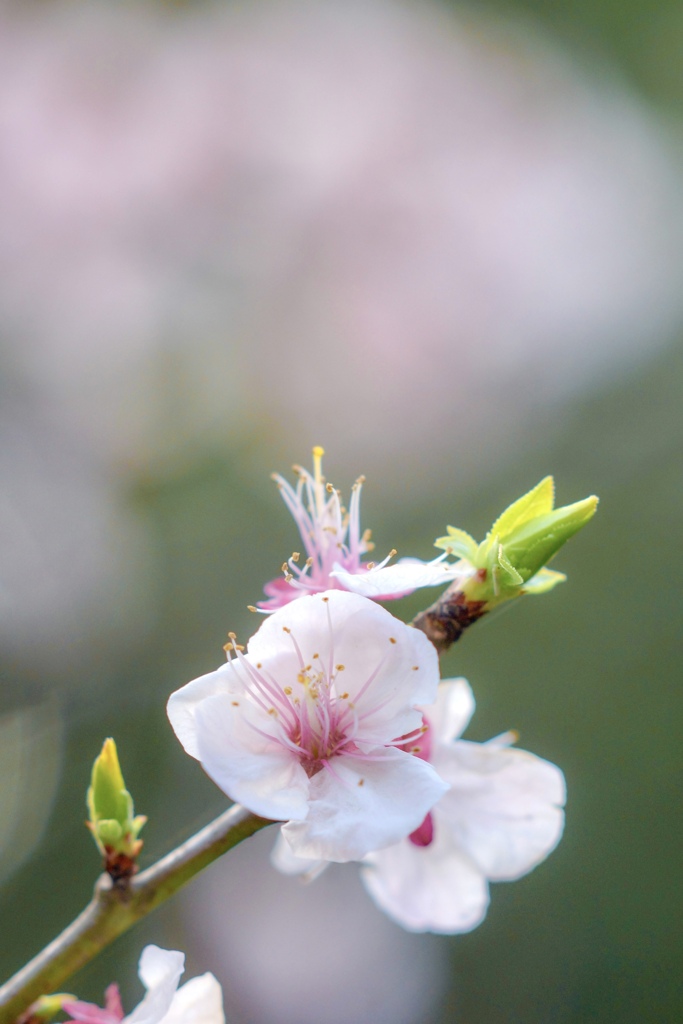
509	562
113	822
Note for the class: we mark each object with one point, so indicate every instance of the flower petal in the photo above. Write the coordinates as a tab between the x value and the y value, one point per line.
160	971
427	889
182	705
406	575
504	808
363	804
449	716
198	1001
251	768
287	863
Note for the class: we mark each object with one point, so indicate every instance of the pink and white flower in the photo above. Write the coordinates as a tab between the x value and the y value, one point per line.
309	724
334	548
502	815
200	999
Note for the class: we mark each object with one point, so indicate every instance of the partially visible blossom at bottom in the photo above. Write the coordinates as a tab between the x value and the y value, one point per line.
199	1001
501	816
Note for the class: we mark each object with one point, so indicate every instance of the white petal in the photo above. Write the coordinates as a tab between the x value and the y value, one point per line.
432	888
452	711
286	861
182	705
364	804
199	1001
159	971
406	575
252	769
504	808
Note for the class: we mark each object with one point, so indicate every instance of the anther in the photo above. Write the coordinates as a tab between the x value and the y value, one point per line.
340	668
286	629
295	556
392	639
252	608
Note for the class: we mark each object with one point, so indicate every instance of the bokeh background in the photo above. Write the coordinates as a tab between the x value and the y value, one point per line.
445	242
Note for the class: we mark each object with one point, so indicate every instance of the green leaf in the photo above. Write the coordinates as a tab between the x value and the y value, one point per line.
508	568
107	793
459	543
536	502
543	581
533	544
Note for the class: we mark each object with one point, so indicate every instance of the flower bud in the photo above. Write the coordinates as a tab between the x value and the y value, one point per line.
112	819
45	1008
513	557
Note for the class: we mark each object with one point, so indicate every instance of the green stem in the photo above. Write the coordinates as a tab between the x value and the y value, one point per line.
114	909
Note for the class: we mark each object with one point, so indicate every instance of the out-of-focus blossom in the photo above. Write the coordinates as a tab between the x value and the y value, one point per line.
501	816
456	207
303	727
334	546
199	1000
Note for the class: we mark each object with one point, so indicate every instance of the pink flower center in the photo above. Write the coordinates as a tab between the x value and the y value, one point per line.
421	747
315	717
424	834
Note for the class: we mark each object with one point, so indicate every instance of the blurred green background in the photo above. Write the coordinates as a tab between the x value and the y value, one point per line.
445	243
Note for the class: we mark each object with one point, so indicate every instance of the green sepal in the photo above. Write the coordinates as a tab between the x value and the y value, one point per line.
109	832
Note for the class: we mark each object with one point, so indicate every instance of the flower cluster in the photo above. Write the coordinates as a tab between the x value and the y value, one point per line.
333	720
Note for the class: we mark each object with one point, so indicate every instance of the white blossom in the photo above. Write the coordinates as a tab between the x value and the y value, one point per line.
309	725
